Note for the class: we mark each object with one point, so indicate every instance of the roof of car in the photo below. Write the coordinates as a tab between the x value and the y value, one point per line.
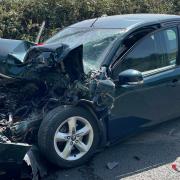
127	21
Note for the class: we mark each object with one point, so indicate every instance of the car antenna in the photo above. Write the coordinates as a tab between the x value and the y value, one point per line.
104	15
94	22
40	32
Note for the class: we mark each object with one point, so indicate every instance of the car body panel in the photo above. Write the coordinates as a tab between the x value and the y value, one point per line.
138	107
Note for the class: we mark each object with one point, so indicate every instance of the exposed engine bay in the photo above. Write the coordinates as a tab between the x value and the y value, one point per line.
49	76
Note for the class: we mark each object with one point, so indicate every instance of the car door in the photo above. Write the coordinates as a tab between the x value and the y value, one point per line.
158	98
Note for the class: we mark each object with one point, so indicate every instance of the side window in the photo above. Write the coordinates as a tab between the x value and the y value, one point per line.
155	51
172	45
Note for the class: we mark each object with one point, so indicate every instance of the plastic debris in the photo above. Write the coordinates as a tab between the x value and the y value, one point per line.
112	165
137	158
37	163
176	165
171	132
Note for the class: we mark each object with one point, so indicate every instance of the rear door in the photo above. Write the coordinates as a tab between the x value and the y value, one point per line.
158	98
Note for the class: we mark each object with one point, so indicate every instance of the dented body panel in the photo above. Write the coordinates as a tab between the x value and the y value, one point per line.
49	76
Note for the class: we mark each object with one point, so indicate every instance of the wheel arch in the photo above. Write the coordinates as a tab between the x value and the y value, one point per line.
101	123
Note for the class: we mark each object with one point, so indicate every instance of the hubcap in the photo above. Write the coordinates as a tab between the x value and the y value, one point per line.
73	138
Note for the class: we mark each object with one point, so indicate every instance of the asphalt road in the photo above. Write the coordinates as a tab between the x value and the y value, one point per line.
147	156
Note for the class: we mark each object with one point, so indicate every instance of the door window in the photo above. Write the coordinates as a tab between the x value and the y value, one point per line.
172	45
155	51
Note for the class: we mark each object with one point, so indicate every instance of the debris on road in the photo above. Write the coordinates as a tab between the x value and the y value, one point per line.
11	159
176	165
137	158
37	163
112	165
171	131
21	161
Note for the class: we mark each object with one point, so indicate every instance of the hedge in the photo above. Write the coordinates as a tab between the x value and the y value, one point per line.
21	19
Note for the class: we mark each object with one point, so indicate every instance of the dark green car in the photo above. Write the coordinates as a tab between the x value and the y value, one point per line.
93	83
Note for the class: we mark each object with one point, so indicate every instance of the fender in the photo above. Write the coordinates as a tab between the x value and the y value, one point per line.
100	121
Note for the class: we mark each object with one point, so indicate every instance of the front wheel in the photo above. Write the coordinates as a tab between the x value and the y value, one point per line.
68	137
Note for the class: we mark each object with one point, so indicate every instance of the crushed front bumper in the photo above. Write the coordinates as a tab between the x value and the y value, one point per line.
11	158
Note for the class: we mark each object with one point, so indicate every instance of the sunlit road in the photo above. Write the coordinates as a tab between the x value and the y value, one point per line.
147	156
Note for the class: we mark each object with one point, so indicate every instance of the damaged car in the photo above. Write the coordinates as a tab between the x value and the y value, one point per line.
90	85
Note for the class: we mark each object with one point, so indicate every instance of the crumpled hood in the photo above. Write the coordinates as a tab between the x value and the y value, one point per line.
52	54
15	48
59	51
22	54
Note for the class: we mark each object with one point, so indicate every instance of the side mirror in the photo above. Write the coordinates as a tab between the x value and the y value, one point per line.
130	77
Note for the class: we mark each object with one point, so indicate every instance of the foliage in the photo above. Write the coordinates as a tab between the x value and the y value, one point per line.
21	19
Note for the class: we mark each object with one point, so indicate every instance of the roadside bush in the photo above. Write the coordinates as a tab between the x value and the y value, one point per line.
21	19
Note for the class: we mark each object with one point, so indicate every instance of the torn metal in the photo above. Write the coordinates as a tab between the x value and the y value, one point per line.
34	81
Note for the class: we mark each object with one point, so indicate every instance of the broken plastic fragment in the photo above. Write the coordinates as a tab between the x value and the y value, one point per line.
37	163
137	158
40	44
112	165
174	166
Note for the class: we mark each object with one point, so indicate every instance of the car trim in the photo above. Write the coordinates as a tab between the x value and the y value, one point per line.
158	70
5	76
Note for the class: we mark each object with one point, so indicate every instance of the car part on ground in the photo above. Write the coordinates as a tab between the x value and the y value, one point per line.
11	159
37	163
22	162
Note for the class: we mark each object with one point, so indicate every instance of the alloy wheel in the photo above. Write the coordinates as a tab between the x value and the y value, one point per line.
73	138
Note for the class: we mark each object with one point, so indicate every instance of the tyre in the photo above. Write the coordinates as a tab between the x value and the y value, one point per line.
68	137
